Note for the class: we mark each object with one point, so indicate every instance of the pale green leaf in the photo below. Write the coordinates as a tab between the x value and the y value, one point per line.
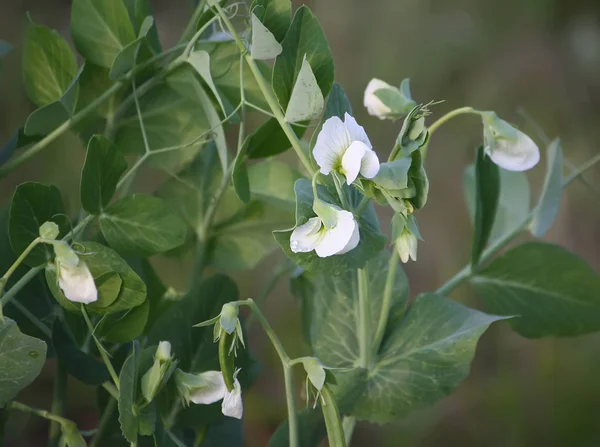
306	102
551	291
126	59
276	15
264	45
21	359
200	60
549	202
128	391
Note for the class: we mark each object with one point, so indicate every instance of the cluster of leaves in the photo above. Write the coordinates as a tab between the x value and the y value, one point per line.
225	206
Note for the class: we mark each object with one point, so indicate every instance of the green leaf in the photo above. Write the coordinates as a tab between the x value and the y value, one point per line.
138	11
305	38
239	175
93	82
270	139
124	326
551	291
549	202
49	64
513	204
119	287
175	120
273	181
126	59
100	29
371	240
337	105
21	359
103	167
142	225
147	420
17	140
128	390
306	101
32	205
264	44
276	15
200	61
79	364
487	181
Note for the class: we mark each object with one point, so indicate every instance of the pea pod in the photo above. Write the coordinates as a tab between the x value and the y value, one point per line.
335	433
226	358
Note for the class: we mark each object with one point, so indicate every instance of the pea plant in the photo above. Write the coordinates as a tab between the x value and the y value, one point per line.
245	83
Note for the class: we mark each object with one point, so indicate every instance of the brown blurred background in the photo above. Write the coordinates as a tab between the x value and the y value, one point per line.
542	56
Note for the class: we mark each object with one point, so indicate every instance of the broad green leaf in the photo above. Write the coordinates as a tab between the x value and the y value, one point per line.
549	202
175	120
239	175
103	167
119	287
241	235
551	291
269	139
306	101
79	364
49	64
311	425
93	82
264	44
128	390
142	225
147	420
513	205
371	239
124	326
138	11
17	140
276	15
100	29
21	359
32	205
126	59
200	60
487	193
273	181
305	38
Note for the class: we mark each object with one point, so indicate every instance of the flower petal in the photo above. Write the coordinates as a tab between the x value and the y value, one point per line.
211	390
332	141
306	237
520	154
337	238
353	242
232	402
352	160
369	166
77	283
356	132
374	105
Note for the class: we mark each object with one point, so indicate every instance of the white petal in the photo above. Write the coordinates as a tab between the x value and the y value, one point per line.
212	389
412	247
305	237
369	166
77	283
332	141
356	132
337	238
163	352
403	249
352	243
232	402
515	155
374	105
352	160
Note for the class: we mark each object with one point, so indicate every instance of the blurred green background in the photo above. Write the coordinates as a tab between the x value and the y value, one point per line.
538	56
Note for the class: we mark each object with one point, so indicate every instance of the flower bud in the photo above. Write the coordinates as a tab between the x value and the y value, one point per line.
386	101
163	352
405	233
229	317
49	231
315	372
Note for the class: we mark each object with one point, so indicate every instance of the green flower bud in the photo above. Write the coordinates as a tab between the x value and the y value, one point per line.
413	135
229	317
49	231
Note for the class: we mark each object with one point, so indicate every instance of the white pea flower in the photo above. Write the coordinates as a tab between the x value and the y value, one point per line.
343	146
507	146
74	276
209	387
406	245
374	105
333	232
163	352
232	405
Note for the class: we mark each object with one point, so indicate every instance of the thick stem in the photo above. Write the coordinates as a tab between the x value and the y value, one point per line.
103	354
58	401
267	93
14	405
387	300
364	319
17	263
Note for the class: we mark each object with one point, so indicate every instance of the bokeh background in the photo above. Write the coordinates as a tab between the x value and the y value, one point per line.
536	57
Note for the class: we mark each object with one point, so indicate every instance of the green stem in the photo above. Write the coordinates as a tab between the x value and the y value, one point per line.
362	205
14	405
111	389
448	116
190	46
16	288
58	401
466	273
31	317
191	26
103	354
387	300
335	431
17	263
340	190
104	422
267	93
364	319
